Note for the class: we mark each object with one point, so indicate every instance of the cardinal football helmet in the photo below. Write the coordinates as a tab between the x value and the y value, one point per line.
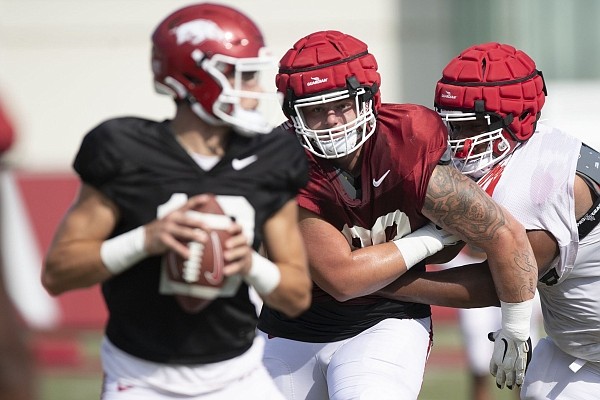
7	132
324	67
197	49
498	86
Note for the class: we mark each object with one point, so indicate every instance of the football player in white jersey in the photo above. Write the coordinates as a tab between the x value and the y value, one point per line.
491	97
138	180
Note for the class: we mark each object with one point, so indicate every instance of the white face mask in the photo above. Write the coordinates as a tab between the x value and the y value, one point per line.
341	146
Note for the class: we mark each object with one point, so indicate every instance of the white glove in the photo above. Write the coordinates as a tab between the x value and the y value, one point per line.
509	360
512	344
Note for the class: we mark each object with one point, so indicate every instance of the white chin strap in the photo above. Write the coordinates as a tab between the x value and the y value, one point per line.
249	122
244	122
341	146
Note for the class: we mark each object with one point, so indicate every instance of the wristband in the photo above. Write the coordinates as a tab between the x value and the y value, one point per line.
123	251
264	275
516	319
420	244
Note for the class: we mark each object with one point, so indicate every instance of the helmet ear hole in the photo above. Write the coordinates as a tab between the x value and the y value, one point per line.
524	115
193	79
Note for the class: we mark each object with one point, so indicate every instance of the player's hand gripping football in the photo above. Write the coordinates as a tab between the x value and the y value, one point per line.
237	252
174	229
509	359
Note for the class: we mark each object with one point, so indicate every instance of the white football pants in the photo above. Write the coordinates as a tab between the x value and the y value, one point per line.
555	375
386	361
130	378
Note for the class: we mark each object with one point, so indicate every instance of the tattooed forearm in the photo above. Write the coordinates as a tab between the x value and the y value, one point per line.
460	206
527	273
457	203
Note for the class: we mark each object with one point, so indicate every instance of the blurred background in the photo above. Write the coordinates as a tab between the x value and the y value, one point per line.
67	65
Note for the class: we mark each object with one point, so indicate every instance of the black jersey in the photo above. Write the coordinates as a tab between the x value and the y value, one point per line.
140	166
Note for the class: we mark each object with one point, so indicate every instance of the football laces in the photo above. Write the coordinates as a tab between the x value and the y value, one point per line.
191	267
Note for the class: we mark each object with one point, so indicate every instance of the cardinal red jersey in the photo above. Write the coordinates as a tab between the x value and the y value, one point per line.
397	163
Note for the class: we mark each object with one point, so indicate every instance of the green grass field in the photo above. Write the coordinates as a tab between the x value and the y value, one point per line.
445	375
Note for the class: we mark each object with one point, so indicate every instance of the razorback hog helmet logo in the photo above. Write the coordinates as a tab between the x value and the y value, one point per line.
196	32
495	79
327	61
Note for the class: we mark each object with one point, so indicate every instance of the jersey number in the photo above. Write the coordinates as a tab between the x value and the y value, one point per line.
378	232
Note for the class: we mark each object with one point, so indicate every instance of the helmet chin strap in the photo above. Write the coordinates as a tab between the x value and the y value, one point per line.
477	172
245	122
340	147
474	168
201	112
254	122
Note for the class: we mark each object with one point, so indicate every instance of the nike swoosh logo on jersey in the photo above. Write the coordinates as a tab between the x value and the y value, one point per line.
238	164
377	182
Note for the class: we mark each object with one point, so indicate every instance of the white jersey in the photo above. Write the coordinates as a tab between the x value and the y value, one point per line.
536	185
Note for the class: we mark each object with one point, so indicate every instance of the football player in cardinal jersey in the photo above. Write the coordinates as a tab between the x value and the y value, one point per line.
491	97
140	177
380	178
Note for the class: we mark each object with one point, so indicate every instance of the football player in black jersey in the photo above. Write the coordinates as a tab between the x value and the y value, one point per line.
379	173
139	179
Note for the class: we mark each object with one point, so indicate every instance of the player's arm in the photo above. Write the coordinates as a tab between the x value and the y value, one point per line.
471	286
457	204
346	274
461	207
283	243
466	286
73	259
81	253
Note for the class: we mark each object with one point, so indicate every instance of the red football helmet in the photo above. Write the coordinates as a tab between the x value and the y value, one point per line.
324	67
7	133
196	51
498	86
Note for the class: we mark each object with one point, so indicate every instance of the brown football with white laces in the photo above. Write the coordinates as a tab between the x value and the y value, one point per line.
197	281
